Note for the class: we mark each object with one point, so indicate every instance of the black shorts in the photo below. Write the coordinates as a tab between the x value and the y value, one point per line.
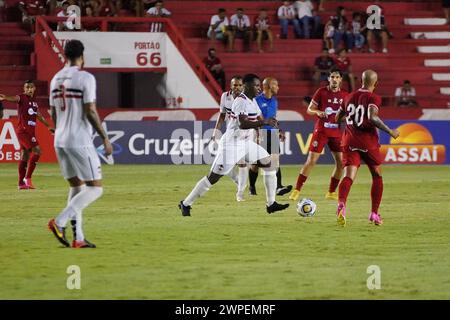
270	140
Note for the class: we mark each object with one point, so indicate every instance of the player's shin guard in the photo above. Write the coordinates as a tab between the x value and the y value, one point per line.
199	190
32	165
73	191
376	192
300	181
242	179
270	182
344	189
234	175
22	171
333	184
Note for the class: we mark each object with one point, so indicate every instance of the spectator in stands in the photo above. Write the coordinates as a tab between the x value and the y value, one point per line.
405	95
306	18
214	65
30	9
262	29
158	11
322	67
63	13
341	30
219	28
357	31
380	34
1	110
286	16
343	63
446	6
241	28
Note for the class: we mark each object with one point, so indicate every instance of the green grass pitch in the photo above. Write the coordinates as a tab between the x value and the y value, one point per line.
227	250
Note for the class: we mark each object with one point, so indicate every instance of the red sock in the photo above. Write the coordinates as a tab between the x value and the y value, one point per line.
333	184
32	165
22	171
344	189
376	193
300	181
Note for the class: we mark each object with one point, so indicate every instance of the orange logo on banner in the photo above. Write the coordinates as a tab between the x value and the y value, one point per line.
415	145
10	146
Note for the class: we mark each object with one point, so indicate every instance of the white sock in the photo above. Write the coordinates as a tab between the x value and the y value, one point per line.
270	182
73	191
234	175
79	228
81	201
65	215
242	179
199	190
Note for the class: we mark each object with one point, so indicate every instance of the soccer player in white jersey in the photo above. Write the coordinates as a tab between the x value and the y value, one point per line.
226	102
72	103
237	144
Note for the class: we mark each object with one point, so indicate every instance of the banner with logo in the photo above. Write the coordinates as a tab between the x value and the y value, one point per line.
136	49
420	142
189	142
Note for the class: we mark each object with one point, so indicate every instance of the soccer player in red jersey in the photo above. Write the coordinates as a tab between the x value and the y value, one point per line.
28	112
360	141
325	104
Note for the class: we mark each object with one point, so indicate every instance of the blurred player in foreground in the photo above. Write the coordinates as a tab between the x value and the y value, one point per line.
28	113
72	101
237	144
360	141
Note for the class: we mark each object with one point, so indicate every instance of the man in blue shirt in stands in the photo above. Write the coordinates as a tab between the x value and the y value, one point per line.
269	136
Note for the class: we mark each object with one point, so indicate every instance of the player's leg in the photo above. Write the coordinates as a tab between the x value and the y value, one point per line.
242	180
32	162
373	159
252	177
335	146
24	156
202	186
335	176
351	163
304	174
226	159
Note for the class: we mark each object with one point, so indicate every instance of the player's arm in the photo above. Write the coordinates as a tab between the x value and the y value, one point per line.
42	120
244	123
4	97
90	111
313	110
53	114
375	119
340	115
219	123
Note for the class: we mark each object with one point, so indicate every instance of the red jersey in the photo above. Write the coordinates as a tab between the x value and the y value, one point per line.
360	132
33	7
27	112
329	102
342	64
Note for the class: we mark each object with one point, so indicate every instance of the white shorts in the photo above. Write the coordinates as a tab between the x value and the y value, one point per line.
231	153
82	162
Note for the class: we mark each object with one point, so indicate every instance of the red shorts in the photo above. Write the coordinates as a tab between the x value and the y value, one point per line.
352	157
27	141
319	140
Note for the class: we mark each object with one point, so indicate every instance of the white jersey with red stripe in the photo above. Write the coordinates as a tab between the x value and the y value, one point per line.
226	102
70	89
242	105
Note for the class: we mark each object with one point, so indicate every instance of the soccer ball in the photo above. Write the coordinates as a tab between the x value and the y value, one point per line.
306	207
